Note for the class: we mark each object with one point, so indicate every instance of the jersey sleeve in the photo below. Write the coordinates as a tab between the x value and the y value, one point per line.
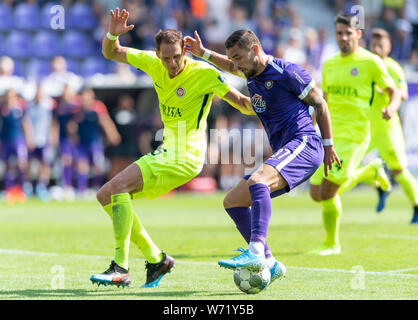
380	74
298	80
324	86
399	78
144	60
217	81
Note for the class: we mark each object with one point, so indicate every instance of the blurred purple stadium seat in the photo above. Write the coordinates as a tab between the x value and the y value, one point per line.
81	17
18	44
46	44
2	45
76	44
38	68
73	65
93	65
6	22
26	16
19	68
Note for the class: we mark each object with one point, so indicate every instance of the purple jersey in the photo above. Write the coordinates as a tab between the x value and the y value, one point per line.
276	97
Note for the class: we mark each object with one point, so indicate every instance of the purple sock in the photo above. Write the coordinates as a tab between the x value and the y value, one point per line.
67	176
261	212
97	181
242	219
8	183
82	181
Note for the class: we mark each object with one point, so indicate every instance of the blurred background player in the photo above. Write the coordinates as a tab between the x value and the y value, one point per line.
91	118
39	113
125	119
15	138
348	80
66	130
386	130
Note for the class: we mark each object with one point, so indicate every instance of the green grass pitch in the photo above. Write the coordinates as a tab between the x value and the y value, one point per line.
50	250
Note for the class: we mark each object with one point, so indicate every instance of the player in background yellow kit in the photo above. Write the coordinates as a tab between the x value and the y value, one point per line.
348	80
185	89
386	131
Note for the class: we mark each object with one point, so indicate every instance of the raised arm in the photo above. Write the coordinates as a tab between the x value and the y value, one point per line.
111	49
195	46
323	119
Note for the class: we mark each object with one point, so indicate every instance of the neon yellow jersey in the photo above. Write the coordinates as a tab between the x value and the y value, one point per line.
349	85
381	98
184	100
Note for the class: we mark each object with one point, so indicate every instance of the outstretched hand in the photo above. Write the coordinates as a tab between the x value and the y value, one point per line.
329	158
194	45
117	25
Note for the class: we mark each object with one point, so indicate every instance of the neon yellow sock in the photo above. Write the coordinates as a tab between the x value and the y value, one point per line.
140	238
122	224
366	174
409	185
331	215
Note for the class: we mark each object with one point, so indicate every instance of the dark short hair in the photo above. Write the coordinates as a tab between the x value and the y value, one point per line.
168	36
347	19
244	38
380	33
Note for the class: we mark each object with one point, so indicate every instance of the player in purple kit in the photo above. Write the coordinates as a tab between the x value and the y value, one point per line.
67	106
15	140
281	93
91	118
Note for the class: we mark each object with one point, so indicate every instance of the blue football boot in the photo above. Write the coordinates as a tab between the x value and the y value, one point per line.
245	260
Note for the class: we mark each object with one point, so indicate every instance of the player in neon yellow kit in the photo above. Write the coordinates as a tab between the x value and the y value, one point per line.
386	132
348	79
185	88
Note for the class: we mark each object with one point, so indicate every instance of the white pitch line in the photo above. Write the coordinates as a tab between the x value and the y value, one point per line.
85	256
400	237
402	270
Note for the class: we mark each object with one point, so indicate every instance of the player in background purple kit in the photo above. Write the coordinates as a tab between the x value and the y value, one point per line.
67	106
15	140
90	119
281	93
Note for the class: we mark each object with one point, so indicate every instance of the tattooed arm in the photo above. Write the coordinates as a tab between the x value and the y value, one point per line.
323	119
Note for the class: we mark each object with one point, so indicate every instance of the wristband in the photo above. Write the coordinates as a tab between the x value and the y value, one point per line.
111	36
327	142
206	54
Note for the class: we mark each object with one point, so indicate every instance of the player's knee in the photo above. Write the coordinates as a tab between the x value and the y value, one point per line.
254	179
104	195
228	201
314	191
326	195
396	172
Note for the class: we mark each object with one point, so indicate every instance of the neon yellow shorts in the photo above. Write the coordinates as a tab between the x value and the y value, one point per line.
389	141
162	171
350	154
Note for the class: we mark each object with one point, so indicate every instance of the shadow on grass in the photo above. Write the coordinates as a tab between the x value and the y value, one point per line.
94	293
225	256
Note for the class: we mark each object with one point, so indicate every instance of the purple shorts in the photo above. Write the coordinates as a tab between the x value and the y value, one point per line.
92	153
67	148
296	161
16	148
44	154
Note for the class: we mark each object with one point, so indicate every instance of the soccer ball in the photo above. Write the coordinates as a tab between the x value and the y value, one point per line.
251	282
